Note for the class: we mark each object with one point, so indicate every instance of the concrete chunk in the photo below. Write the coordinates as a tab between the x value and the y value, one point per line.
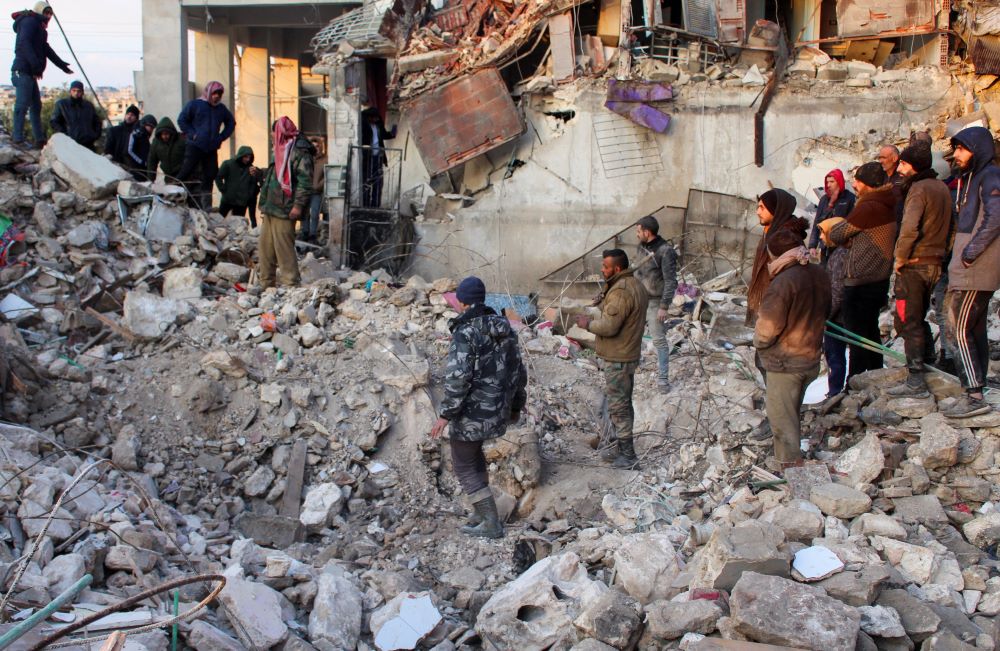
732	551
918	619
646	565
255	612
839	500
89	174
667	620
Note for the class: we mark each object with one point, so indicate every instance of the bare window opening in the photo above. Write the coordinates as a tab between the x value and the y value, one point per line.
565	116
530	613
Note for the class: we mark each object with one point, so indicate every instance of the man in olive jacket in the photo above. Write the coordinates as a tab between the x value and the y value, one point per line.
166	151
283	199
619	343
239	182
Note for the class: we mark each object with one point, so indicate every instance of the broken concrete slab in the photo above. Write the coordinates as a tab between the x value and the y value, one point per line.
89	174
938	447
667	620
205	636
255	612
856	588
163	223
149	316
881	621
183	283
645	565
336	612
275	531
322	502
923	509
801	521
914	562
918	619
613	618
732	551
862	463
984	530
839	500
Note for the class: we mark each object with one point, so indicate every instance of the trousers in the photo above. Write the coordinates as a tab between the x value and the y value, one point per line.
835	352
27	101
862	304
619	380
913	291
658	333
276	249
469	462
785	392
209	163
965	334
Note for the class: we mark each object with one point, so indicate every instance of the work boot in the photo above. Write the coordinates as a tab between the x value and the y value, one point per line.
489	525
966	407
663	386
914	387
626	455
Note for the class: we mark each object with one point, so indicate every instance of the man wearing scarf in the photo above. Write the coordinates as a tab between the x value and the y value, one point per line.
774	211
835	202
206	123
869	234
283	198
789	337
974	271
920	248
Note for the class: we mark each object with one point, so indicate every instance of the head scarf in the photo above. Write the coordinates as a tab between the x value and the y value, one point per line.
285	134
784	207
211	88
838	176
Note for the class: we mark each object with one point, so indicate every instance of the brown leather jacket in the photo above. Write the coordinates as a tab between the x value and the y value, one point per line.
793	313
623	319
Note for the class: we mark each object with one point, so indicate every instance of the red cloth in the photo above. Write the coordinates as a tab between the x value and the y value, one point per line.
210	88
285	133
838	176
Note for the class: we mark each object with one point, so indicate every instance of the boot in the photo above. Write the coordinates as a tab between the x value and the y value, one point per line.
490	526
914	387
968	406
626	455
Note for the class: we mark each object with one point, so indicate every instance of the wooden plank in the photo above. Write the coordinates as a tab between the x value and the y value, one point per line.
111	324
862	51
884	50
114	643
292	500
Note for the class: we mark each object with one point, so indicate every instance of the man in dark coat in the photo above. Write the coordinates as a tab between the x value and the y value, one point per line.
31	53
373	158
138	146
484	392
207	123
116	144
166	150
239	182
76	117
656	271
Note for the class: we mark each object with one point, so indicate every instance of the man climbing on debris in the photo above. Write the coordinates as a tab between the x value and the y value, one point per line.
920	247
789	337
657	272
239	182
76	117
166	151
138	146
283	199
619	344
484	390
206	123
116	143
974	272
31	54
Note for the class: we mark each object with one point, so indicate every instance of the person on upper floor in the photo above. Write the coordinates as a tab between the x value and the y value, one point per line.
31	55
837	201
76	117
166	150
116	143
206	123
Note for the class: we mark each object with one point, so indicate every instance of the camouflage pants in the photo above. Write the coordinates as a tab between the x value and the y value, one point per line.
619	378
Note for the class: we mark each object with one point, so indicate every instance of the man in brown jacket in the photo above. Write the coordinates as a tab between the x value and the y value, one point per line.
619	343
789	337
920	248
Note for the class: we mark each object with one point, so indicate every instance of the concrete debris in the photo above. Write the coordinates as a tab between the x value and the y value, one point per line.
89	174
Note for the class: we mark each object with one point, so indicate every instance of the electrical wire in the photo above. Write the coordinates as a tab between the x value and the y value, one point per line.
79	65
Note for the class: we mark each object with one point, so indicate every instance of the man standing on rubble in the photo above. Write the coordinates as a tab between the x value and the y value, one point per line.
974	271
619	344
166	151
116	143
207	123
31	53
76	117
888	158
657	272
239	182
138	146
920	248
788	337
484	390
284	196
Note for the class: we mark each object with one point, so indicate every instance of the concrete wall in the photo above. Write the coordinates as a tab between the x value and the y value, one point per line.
567	198
252	104
164	58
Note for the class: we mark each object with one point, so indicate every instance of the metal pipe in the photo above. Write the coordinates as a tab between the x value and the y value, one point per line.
13	634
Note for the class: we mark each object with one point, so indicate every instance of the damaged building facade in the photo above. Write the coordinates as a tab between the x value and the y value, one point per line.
530	132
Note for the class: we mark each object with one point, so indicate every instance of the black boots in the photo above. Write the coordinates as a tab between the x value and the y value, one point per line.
914	387
489	520
626	455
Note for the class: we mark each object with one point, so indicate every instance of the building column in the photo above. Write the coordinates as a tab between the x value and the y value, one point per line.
343	110
164	79
253	120
285	93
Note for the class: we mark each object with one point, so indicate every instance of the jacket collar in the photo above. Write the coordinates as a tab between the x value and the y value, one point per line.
618	276
473	312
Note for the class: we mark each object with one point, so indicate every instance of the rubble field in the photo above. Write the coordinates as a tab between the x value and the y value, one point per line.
166	422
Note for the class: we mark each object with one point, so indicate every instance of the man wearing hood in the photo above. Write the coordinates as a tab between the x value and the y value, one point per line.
283	200
788	337
484	391
138	146
869	234
116	144
206	124
775	210
619	345
239	182
31	53
166	151
974	271
920	249
76	117
835	202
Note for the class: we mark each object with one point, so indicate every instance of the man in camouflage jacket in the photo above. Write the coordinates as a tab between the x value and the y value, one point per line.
484	391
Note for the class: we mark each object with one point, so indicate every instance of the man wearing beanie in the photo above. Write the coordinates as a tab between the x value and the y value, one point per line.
657	272
788	337
138	146
116	143
619	344
31	53
920	249
869	234
974	270
484	389
76	117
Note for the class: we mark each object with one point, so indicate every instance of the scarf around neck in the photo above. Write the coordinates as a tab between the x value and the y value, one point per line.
798	255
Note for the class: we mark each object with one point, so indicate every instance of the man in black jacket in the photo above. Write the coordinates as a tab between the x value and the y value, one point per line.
138	147
76	117
31	52
373	158
116	144
657	272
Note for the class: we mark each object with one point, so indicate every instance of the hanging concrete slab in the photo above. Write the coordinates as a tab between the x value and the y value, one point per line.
884	17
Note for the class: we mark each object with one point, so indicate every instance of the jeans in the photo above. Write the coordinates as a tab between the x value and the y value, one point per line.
835	352
862	304
658	333
310	225
785	392
914	286
28	100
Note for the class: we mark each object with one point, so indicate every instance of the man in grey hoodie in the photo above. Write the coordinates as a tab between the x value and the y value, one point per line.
974	272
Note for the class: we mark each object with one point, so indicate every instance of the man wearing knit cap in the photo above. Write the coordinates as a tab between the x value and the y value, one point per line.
31	53
619	344
116	143
76	117
657	272
920	248
788	337
484	391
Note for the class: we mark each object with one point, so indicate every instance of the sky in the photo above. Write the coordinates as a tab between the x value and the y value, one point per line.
106	35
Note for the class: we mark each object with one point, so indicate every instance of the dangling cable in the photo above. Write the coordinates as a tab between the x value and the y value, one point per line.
107	117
